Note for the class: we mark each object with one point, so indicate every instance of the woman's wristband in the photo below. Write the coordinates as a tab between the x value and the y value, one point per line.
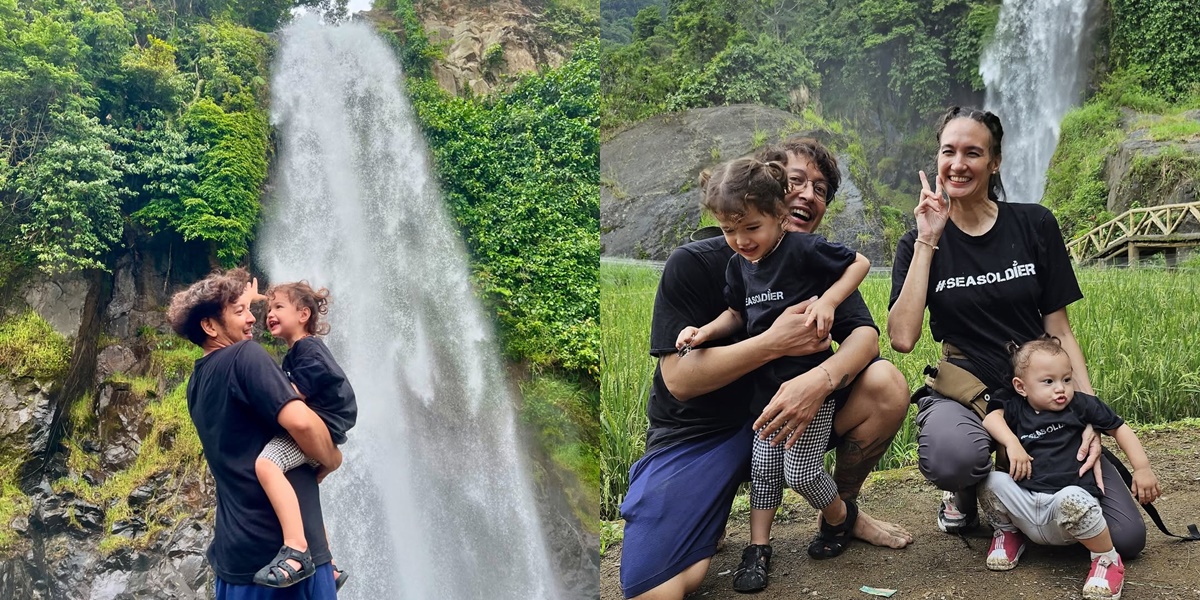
921	241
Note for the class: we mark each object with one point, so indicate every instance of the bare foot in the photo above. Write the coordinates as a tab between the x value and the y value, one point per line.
880	533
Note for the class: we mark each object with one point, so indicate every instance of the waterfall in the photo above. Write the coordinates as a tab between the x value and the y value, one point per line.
1034	70
434	498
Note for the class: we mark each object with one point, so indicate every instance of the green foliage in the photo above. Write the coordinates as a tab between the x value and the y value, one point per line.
1159	36
521	175
222	208
759	71
72	188
1075	186
563	415
417	53
107	110
29	347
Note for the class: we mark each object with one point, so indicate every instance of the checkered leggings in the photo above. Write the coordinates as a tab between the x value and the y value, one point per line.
283	451
803	466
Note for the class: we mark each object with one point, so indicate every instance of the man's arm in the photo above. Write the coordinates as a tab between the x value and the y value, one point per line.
310	434
706	370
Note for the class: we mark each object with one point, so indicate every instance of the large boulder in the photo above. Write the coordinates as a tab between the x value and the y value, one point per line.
649	193
1153	172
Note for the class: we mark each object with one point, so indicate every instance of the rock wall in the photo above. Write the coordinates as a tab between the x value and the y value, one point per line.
485	44
67	546
1153	172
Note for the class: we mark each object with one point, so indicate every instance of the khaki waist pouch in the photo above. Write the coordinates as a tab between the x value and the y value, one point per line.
957	383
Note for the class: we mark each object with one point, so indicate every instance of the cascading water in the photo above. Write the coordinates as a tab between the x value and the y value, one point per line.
1034	71
433	499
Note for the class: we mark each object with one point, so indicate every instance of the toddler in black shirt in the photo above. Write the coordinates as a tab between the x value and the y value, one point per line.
294	315
772	270
1043	497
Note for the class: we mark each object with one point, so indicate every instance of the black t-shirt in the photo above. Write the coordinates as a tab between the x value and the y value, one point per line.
234	398
804	265
987	290
310	365
1052	438
690	293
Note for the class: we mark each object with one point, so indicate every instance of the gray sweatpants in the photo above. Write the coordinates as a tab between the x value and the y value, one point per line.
1064	517
954	452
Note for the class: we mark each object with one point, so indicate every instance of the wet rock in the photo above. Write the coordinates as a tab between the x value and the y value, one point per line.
1154	186
114	359
59	301
15	581
122	425
26	413
89	516
123	300
140	495
130	528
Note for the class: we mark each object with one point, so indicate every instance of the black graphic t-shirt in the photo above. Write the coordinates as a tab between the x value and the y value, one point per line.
1052	438
804	265
690	293
987	290
234	397
310	365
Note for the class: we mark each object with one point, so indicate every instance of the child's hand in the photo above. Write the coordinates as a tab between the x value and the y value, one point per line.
690	337
1020	464
820	313
1145	485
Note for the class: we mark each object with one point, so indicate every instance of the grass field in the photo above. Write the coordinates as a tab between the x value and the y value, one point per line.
1137	328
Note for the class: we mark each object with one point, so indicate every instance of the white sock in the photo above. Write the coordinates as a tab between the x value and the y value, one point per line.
1111	555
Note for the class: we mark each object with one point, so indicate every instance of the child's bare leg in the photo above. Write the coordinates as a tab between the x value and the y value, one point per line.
283	500
760	525
1100	544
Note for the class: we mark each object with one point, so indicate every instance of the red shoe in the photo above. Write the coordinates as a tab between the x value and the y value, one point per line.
1105	580
1007	548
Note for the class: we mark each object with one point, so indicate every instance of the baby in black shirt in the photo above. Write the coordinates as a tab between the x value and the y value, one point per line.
294	311
1053	504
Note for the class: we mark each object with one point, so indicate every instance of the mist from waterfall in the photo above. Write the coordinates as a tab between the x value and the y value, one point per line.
1035	71
434	498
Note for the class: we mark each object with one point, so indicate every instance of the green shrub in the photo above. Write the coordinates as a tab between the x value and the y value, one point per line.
29	347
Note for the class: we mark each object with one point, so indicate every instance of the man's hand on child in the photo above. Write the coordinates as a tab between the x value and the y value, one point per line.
1020	464
689	338
1145	485
821	314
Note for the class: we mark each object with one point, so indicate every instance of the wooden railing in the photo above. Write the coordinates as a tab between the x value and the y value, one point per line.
1166	226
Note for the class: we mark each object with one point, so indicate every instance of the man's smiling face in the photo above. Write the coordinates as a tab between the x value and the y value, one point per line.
806	195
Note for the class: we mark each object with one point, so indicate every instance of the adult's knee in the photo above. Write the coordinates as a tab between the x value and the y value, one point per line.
886	386
950	461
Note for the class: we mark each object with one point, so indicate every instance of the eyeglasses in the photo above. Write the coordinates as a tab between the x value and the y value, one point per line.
820	188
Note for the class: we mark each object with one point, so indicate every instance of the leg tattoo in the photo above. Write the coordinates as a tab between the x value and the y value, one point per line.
855	460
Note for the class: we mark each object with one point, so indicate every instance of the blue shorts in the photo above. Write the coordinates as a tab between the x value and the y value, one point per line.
318	587
677	506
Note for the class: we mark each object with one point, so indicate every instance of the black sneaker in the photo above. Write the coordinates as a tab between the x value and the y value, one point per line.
751	575
951	519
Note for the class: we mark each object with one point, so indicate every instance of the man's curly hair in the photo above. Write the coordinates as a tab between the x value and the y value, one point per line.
205	299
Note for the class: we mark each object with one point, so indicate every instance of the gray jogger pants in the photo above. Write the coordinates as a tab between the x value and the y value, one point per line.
1064	517
954	453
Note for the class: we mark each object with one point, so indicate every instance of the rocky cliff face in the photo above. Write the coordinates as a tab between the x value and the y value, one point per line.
1152	170
105	495
485	44
649	196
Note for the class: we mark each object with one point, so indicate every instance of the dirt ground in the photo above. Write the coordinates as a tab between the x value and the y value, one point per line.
941	566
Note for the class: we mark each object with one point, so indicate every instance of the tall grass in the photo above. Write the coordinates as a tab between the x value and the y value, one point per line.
626	300
1136	327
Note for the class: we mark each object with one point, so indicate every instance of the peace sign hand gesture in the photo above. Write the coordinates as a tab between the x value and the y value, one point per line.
932	212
